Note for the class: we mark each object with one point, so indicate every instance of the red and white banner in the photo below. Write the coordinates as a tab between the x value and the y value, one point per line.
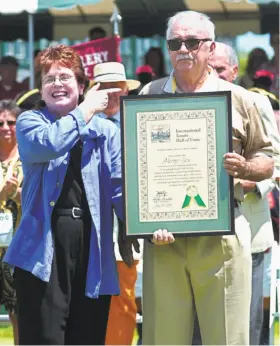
98	51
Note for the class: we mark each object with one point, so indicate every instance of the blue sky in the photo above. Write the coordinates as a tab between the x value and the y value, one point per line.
245	43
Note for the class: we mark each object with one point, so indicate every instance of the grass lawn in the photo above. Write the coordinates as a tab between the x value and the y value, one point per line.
6	335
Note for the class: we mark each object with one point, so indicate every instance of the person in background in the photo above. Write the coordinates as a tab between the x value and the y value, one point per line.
263	81
255	206
10	210
26	81
257	57
211	274
277	117
96	33
155	58
28	100
65	270
144	75
273	64
123	309
139	295
224	62
9	87
264	84
273	199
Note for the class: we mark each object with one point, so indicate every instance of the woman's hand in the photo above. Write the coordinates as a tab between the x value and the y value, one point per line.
95	101
163	237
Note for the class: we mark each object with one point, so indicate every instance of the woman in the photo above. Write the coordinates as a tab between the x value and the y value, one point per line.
256	58
10	191
155	58
65	271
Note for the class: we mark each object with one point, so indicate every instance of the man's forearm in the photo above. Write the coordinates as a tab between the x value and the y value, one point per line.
259	168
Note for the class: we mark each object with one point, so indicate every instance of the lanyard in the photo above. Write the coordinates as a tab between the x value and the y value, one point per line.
173	85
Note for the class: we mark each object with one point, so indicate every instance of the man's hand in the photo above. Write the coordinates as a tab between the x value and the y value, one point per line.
257	168
163	237
248	186
236	165
95	101
125	247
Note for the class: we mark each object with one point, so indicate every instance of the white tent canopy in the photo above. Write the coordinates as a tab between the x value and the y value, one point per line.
31	6
232	17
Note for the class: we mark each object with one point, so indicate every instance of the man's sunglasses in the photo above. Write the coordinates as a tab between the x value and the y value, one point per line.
191	43
9	122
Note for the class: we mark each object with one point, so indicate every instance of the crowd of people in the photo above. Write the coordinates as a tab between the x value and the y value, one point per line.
67	274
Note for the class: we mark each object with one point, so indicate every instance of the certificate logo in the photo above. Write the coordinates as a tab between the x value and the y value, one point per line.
160	133
192	195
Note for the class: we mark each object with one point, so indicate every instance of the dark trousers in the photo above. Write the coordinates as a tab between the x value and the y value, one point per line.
256	311
58	312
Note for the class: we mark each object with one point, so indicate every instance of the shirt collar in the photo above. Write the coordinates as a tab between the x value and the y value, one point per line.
210	83
116	116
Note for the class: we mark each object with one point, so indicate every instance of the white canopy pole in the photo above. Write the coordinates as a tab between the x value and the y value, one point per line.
115	19
31	49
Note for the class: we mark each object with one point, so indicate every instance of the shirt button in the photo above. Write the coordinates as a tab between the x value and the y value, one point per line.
65	162
57	184
52	203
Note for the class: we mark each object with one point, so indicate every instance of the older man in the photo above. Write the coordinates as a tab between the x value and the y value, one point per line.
224	62
211	274
255	206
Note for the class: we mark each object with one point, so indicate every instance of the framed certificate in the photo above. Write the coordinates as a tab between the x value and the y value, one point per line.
172	151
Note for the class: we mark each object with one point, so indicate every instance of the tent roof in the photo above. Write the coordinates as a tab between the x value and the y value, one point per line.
145	18
104	7
156	7
222	7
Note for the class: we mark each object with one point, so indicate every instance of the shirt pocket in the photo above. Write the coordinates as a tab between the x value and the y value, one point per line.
29	235
257	208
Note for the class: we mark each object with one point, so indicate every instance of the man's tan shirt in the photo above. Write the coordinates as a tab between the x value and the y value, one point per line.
248	134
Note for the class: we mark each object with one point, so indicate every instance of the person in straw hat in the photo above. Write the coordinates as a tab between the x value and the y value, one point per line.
123	309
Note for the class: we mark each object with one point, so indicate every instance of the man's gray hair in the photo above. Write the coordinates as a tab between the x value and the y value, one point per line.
196	20
232	56
230	53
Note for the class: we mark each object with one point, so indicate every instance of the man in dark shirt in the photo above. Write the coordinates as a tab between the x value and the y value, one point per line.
9	87
96	33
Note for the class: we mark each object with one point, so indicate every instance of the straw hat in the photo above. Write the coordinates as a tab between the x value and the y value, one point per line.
113	72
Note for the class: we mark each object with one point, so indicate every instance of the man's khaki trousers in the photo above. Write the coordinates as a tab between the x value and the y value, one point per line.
211	274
